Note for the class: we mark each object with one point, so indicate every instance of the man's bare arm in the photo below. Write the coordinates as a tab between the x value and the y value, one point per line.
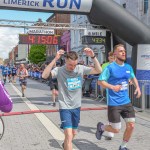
104	84
137	90
48	69
97	67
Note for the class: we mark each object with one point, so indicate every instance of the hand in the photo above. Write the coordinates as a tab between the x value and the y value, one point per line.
59	54
137	92
117	88
89	52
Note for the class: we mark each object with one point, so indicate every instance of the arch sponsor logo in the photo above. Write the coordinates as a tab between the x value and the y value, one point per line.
48	5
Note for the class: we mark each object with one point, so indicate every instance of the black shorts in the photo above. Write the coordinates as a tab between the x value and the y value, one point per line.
125	111
53	85
14	74
23	82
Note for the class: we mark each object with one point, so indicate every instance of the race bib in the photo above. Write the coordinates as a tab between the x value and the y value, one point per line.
124	86
74	83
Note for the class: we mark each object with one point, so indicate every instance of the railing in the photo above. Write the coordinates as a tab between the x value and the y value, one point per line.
144	101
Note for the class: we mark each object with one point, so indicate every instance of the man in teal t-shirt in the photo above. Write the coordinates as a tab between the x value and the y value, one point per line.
115	78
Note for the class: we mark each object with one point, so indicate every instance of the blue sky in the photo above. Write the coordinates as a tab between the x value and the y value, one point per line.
9	36
23	15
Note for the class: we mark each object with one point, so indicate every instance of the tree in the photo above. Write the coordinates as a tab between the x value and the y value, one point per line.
37	53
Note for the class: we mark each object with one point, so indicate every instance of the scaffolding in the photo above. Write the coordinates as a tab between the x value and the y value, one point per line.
47	25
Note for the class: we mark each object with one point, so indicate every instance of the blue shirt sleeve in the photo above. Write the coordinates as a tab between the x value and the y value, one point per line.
132	75
104	76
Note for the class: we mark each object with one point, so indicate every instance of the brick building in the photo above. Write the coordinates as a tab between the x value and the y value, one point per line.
57	18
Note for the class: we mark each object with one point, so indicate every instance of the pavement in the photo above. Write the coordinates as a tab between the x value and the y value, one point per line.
40	131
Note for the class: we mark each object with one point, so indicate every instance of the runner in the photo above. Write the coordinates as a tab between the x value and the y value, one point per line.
14	74
4	72
70	78
54	86
22	74
9	73
115	78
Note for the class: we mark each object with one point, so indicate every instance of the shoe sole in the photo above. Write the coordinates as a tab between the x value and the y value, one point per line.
98	133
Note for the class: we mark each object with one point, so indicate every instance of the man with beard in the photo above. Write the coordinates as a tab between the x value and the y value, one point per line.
115	78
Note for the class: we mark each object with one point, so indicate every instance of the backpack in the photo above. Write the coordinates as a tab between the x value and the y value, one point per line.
6	104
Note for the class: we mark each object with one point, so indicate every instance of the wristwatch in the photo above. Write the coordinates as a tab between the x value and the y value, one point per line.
93	57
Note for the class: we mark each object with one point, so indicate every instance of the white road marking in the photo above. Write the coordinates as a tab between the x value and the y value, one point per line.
48	124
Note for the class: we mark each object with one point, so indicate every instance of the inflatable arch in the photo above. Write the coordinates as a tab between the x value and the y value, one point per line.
100	12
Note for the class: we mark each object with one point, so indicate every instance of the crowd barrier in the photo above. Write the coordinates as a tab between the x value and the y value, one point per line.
90	85
35	75
144	101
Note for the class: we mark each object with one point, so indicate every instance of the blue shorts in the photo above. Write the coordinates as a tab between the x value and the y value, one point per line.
70	118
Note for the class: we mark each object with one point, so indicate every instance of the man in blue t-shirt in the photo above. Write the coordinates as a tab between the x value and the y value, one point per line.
115	78
4	72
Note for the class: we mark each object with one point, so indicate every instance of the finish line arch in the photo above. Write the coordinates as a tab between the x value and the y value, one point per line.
100	12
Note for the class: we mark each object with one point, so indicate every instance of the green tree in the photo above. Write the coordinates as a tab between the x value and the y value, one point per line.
37	53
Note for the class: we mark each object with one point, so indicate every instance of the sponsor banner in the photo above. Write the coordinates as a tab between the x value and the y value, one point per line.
95	32
48	5
143	62
41	31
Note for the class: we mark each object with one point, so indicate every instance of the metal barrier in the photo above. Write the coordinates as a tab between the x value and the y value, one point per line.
144	101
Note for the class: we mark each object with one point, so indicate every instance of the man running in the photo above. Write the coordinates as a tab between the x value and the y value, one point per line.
70	78
4	72
115	78
14	73
22	74
53	83
9	73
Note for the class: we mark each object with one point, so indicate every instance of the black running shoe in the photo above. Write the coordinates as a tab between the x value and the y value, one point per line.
99	131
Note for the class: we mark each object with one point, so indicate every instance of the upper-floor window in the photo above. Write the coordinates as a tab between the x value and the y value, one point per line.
145	6
74	18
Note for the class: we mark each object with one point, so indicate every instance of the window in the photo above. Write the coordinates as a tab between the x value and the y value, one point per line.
145	6
74	18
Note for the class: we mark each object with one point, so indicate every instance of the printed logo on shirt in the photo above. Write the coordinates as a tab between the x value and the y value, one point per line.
127	71
74	83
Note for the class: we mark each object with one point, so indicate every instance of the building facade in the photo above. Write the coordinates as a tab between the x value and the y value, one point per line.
76	40
64	34
66	41
141	10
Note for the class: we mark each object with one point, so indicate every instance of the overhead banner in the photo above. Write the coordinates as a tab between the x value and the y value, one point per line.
95	32
48	5
143	62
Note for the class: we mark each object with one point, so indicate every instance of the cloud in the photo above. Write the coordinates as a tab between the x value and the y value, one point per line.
9	38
